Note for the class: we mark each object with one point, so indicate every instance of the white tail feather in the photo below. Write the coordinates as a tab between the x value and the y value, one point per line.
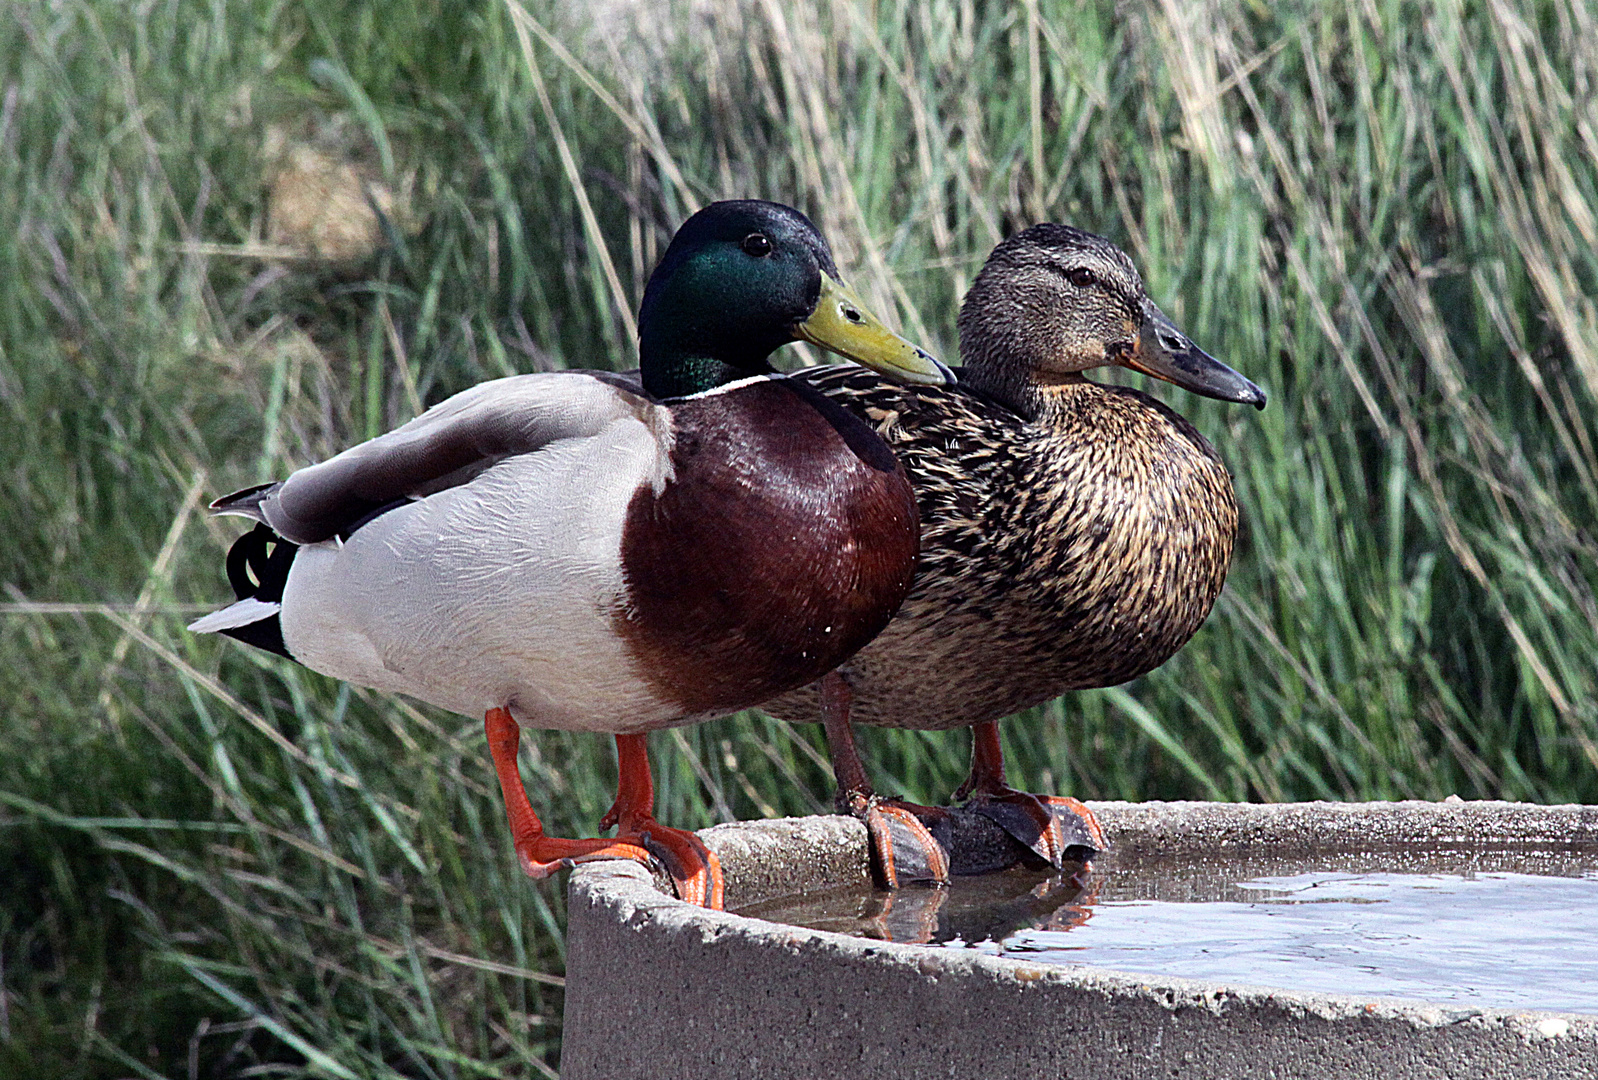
243	613
251	511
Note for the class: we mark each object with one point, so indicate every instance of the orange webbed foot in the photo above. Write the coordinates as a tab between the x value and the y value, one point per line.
693	867
1058	829
909	842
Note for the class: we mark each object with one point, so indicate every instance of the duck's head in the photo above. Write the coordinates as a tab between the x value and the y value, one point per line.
1053	301
741	279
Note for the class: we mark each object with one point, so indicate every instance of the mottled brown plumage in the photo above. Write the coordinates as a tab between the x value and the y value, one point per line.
1073	535
1081	548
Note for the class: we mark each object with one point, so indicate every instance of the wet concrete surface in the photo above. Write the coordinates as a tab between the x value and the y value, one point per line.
658	988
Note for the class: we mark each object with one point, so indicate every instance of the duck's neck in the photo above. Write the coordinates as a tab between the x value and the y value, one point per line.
687	375
1010	388
678	356
693	336
995	363
1029	394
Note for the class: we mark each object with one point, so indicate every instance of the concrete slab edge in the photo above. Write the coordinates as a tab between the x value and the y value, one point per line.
772	1001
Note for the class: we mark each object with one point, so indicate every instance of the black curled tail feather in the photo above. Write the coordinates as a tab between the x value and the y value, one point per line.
258	568
265	557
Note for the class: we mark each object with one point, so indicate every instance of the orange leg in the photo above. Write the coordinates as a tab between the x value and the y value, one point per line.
903	844
1051	825
693	868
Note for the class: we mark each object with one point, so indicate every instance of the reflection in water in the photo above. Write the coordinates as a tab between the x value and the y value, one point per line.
1481	929
987	907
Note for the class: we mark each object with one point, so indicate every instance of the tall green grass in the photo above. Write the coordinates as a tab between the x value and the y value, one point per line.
213	863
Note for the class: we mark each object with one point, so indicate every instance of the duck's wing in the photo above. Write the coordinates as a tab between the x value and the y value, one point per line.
446	446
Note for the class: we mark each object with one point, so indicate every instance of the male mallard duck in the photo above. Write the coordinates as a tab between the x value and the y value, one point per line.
1073	534
570	550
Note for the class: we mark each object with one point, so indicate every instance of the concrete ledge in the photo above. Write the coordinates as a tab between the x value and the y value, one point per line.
656	988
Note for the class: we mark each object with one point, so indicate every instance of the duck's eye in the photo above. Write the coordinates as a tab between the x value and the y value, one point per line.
756	244
1081	277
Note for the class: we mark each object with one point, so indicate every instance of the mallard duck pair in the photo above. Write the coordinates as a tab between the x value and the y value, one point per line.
582	551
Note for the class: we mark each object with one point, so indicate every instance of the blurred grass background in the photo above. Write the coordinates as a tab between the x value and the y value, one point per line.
213	863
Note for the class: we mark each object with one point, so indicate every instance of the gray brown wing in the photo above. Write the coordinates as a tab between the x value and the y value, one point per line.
446	446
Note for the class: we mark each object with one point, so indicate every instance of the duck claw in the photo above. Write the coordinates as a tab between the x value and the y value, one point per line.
1056	828
909	842
693	868
543	856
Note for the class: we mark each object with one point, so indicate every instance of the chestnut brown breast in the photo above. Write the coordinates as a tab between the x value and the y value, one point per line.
785	542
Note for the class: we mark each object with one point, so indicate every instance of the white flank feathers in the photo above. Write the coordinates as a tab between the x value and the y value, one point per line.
503	587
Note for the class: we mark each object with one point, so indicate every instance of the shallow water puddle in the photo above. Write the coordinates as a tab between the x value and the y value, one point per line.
1501	930
1492	940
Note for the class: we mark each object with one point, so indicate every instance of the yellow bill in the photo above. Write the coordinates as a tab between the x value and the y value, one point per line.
844	325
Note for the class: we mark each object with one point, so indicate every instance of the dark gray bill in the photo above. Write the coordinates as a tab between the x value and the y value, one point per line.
1165	352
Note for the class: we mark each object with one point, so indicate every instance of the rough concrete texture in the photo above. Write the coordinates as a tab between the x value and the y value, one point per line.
779	858
1202	828
657	988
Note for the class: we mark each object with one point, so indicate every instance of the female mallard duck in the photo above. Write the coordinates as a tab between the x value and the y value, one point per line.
570	550
1073	534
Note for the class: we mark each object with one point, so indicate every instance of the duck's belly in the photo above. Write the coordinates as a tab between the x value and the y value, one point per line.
470	599
949	660
933	670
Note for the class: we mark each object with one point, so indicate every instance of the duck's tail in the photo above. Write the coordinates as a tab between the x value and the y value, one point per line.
257	568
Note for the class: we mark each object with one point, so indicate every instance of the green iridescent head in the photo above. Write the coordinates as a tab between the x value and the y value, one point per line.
740	280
